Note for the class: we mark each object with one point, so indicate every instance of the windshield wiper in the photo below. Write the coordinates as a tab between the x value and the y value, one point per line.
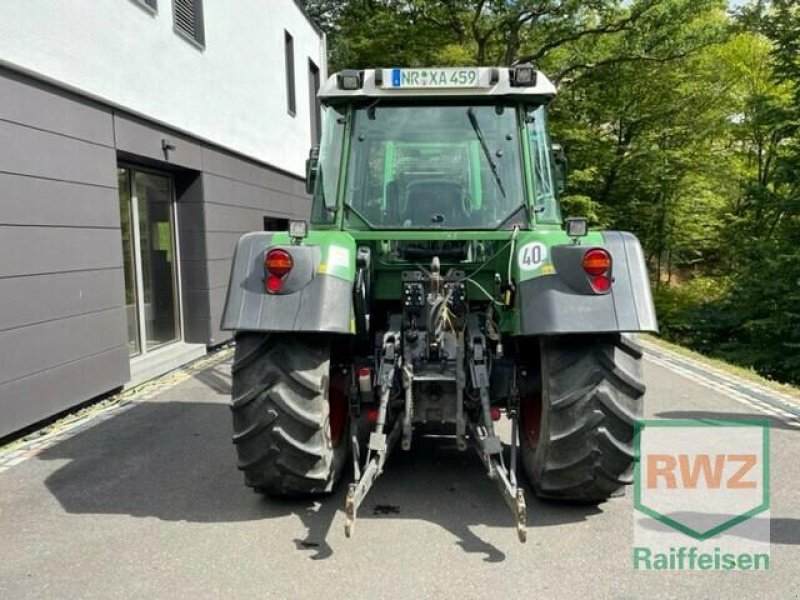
473	120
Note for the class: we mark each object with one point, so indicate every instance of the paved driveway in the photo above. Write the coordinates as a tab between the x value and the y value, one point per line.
149	504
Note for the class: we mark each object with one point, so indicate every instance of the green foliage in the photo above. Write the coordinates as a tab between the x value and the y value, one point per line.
681	122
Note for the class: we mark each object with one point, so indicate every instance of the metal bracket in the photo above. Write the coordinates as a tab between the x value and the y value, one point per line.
379	445
461	383
166	147
512	493
408	416
486	442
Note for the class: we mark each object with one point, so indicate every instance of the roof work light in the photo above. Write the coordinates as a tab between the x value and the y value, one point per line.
523	75
349	80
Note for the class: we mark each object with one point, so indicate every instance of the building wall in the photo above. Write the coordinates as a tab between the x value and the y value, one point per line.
62	321
231	93
63	333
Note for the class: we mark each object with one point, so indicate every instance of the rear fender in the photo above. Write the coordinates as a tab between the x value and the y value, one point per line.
561	300
316	295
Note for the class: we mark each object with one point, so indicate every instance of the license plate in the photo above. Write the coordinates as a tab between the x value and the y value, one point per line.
434	78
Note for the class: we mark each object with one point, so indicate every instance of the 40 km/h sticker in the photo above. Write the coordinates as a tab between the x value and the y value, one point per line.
531	256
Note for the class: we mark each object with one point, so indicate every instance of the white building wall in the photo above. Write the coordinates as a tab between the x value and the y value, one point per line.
231	93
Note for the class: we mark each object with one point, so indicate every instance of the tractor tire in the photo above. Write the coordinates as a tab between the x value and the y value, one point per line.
577	426
290	424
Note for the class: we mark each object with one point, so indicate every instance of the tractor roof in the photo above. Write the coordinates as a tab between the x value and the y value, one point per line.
419	83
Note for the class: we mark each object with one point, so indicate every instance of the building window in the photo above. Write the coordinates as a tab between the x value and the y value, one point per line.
316	114
288	46
188	15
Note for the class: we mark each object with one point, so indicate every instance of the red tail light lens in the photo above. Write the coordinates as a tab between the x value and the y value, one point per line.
274	284
601	283
278	262
596	262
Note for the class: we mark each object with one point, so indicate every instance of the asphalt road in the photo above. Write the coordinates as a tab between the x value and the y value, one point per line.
149	504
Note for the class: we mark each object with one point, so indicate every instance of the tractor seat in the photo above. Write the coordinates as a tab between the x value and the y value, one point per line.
434	201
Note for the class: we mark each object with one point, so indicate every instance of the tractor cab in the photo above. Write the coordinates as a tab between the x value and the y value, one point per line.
435	149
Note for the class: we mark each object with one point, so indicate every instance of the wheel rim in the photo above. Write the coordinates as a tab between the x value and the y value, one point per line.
532	418
337	401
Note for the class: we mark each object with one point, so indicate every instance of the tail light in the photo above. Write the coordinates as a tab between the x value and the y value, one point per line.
597	265
278	264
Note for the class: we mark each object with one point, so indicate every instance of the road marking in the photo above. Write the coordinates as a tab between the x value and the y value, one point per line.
752	394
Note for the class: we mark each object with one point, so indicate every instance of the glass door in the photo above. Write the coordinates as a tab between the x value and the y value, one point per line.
147	216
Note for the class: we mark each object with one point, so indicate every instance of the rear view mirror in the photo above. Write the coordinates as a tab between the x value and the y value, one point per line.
312	167
560	162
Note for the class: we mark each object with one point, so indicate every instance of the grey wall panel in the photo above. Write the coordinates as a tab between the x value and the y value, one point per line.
216	245
217	302
197	330
209	314
36	348
62	324
194	274
195	301
190	231
219	272
145	139
220	245
202	275
37	153
221	191
30	399
239	169
191	219
41	298
34	201
33	250
191	216
193	245
28	102
221	217
196	304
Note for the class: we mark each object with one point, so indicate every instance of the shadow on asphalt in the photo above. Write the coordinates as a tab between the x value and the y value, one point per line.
216	378
774	422
781	530
174	461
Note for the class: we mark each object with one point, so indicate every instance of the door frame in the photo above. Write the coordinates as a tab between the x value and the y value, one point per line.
137	257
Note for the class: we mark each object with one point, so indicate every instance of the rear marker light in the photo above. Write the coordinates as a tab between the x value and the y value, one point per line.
597	265
278	262
495	413
596	262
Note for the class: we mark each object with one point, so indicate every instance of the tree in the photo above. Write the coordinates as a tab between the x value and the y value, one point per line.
367	33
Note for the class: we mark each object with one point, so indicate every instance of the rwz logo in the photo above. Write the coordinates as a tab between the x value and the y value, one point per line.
701	478
688	471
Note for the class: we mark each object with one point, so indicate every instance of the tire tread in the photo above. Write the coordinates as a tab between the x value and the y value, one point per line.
281	412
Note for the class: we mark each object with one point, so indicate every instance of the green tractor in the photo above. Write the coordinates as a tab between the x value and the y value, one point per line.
437	284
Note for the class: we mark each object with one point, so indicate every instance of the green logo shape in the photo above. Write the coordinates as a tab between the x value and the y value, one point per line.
641	425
